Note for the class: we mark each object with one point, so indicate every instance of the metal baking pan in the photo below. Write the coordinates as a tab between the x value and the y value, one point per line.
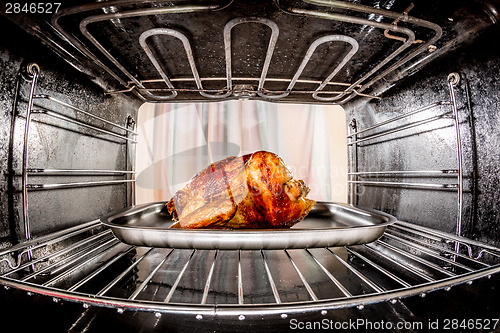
328	224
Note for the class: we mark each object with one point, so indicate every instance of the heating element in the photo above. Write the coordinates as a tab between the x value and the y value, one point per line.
149	80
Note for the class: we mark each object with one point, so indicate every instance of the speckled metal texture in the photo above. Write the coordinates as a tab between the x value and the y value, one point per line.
54	143
298	29
433	145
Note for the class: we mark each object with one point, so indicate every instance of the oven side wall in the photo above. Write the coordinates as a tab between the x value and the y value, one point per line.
432	146
54	143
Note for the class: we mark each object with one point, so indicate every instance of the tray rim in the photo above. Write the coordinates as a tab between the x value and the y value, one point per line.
135	208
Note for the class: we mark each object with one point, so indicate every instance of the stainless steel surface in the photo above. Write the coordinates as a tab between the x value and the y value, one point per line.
95	269
107	58
34	70
407	114
453	80
85	264
80	110
328	224
80	123
355	142
378	11
27	172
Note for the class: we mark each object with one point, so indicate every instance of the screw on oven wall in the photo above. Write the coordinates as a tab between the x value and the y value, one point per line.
284	315
199	317
241	317
130	121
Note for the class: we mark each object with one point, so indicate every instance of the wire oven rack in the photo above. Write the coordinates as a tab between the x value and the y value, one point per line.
87	264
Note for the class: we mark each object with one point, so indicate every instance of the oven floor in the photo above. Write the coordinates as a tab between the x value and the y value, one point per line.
476	301
84	278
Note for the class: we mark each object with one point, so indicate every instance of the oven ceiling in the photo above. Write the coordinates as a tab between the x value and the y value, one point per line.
317	51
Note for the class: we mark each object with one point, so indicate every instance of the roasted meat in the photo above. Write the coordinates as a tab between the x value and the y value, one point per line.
250	191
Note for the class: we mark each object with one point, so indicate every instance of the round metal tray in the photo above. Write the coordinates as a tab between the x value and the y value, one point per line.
328	224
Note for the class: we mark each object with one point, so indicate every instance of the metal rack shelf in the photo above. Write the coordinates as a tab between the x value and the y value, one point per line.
87	264
122	133
357	177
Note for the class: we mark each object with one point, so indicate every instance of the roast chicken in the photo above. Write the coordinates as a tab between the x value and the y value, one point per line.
250	191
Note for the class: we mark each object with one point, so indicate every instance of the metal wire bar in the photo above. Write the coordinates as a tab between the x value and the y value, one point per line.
124	273
453	80
379	268
335	281
370	283
428	251
356	20
241	91
414	240
89	250
399	129
307	57
34	70
237	78
38	187
271	280
36	171
407	114
414	257
240	280
404	184
187	47
58	253
352	162
405	172
149	277
345	60
44	241
55	100
58	115
405	267
227	46
209	279
124	14
302	278
100	269
179	276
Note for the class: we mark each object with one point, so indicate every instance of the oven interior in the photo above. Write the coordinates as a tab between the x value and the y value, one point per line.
419	85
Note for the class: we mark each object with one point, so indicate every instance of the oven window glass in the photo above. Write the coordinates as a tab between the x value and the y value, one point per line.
177	140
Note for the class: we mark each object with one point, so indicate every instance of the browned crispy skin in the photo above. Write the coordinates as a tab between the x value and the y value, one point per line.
252	191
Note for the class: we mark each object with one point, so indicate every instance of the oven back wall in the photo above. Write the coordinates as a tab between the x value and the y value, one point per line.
432	146
54	143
